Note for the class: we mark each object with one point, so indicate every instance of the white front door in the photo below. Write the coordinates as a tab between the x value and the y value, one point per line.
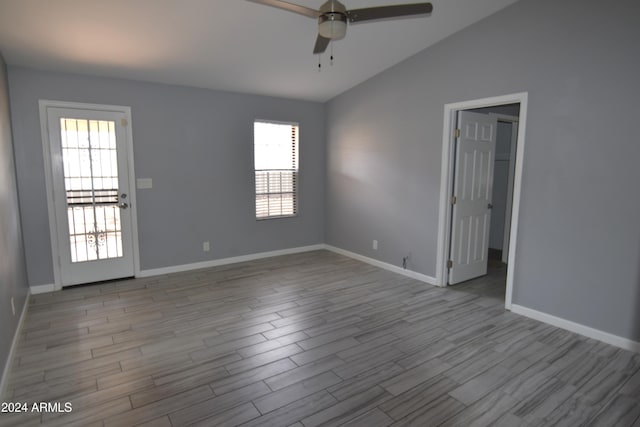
91	194
473	185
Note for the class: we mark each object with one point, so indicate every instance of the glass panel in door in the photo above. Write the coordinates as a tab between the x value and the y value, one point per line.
90	166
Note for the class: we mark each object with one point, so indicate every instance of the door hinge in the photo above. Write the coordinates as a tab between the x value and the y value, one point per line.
124	122
449	264
454	199
457	133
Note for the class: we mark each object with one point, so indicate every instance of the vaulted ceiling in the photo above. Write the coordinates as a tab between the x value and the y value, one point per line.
231	45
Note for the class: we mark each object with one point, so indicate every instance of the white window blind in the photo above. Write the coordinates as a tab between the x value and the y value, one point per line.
276	169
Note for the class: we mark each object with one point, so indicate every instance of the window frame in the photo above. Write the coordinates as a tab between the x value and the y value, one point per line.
296	172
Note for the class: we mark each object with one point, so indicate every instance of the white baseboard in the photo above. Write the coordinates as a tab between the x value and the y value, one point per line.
42	289
386	266
225	261
14	345
586	331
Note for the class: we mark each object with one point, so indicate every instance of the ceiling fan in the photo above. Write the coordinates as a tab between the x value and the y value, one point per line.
333	16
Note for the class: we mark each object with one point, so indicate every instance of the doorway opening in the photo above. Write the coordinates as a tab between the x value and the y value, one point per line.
483	148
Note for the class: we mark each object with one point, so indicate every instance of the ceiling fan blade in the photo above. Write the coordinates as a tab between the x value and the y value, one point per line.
382	12
302	10
321	44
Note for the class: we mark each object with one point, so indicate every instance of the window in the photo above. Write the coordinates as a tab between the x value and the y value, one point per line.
275	147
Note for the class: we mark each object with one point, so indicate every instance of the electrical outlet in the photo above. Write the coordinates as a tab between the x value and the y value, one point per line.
13	306
375	245
206	246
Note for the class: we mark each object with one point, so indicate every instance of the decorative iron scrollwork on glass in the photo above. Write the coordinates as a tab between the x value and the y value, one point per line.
96	239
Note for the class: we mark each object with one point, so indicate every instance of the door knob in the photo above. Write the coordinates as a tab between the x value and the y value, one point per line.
123	205
489	206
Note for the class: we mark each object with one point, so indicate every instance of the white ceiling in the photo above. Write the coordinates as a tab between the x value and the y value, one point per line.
231	45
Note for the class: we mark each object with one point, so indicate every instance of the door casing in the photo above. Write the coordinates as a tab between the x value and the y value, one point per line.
446	183
46	147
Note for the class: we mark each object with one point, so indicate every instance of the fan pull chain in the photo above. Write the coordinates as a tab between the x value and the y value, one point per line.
331	53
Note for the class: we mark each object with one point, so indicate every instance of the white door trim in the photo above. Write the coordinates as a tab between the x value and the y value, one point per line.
46	149
444	223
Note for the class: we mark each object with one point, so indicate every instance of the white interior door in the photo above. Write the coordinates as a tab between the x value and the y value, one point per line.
91	194
473	185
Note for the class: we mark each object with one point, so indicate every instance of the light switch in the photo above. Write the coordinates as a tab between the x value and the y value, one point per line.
144	183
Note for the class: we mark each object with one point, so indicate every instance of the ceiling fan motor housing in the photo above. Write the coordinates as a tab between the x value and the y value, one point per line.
333	6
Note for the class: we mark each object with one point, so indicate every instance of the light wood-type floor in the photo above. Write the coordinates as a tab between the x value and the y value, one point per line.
493	285
307	340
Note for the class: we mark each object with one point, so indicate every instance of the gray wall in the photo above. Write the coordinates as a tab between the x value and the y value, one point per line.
579	238
13	275
197	146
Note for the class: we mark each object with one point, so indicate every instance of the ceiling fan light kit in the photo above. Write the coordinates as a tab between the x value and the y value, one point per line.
333	16
332	26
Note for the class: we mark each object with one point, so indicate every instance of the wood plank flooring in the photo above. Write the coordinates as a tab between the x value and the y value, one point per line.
312	339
